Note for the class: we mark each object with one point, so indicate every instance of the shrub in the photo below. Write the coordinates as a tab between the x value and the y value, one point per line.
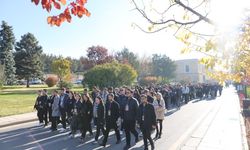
148	80
51	80
110	74
64	84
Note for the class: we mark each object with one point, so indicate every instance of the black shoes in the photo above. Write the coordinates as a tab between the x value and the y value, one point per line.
118	142
136	139
102	144
126	147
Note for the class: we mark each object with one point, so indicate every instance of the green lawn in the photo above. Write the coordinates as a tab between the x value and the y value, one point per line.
19	99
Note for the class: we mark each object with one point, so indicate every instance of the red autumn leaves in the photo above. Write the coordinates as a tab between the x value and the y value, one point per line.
76	8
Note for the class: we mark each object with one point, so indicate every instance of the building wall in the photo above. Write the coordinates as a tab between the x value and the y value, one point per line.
190	70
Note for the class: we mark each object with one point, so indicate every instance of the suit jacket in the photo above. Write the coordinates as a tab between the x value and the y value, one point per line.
114	110
63	101
146	116
100	114
88	108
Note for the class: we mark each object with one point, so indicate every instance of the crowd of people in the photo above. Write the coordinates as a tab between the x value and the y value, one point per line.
121	109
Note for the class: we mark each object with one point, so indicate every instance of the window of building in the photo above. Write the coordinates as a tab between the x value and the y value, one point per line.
187	68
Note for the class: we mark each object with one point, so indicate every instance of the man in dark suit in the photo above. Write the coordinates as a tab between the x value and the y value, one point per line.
129	113
147	121
111	115
62	107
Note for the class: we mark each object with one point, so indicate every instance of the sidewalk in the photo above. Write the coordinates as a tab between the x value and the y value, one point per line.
222	128
17	119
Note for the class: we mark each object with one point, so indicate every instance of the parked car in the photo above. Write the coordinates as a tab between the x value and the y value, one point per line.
78	82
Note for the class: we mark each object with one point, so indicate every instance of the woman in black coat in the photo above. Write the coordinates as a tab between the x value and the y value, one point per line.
87	108
98	114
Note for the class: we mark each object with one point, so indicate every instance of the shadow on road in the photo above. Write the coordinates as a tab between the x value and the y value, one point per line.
43	139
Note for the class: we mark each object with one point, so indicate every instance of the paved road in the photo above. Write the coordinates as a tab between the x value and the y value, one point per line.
177	126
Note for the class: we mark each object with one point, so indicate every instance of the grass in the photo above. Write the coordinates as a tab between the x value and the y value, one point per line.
19	99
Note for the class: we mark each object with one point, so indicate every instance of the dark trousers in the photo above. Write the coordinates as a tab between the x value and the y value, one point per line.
158	133
129	126
186	98
147	136
108	128
55	121
50	114
99	127
45	116
63	118
87	127
40	115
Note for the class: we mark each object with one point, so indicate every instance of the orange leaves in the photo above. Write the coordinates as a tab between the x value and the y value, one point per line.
56	4
35	1
63	2
76	8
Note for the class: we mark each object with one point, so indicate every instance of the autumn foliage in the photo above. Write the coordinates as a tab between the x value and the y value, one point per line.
76	8
51	80
148	80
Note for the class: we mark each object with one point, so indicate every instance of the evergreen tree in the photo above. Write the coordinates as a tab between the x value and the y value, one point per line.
163	66
28	58
7	41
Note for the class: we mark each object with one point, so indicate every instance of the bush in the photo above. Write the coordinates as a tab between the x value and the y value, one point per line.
148	80
64	84
110	74
51	80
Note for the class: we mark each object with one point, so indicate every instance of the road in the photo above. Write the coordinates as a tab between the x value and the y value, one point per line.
178	125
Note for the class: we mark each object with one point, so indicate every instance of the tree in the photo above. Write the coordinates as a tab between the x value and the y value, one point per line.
76	65
163	66
28	58
7	41
75	7
61	67
160	18
127	57
2	77
145	67
96	55
47	61
110	74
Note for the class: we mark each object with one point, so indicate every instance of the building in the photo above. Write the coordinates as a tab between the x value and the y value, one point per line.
190	70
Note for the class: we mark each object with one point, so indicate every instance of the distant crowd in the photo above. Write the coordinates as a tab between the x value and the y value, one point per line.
123	109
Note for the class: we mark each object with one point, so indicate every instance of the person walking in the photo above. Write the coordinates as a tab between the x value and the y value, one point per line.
98	113
50	102
159	106
129	113
74	124
147	121
62	107
40	107
45	109
111	116
87	108
55	111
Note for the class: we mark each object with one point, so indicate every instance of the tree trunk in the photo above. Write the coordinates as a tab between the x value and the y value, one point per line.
28	83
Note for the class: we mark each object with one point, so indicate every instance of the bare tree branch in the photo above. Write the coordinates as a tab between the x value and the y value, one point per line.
194	12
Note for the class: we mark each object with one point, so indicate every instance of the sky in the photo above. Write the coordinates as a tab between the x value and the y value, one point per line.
110	25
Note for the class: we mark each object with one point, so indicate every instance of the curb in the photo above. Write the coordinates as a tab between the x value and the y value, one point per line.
243	126
18	122
243	133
